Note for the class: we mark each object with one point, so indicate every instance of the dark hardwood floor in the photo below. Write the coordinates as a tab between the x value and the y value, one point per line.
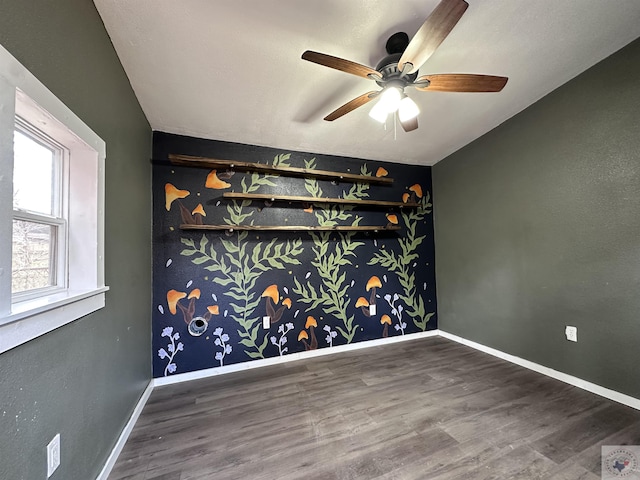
423	409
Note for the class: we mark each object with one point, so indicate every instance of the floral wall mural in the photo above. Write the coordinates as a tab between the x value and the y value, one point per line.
229	296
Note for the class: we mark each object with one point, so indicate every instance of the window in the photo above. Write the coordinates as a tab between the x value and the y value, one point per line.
39	244
51	210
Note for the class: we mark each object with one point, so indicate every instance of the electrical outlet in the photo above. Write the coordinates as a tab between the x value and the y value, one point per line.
571	333
266	322
372	310
53	455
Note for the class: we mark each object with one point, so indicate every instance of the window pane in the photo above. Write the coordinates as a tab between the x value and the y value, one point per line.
32	261
33	175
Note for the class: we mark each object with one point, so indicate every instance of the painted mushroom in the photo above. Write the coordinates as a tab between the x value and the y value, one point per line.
190	310
381	172
173	297
393	219
196	326
386	321
373	283
303	337
198	213
272	294
172	193
311	324
214	182
416	189
363	303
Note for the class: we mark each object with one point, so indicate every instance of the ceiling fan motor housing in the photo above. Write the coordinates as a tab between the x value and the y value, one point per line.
388	68
397	43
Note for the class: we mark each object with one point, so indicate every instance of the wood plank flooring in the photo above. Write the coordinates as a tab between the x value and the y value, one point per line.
424	409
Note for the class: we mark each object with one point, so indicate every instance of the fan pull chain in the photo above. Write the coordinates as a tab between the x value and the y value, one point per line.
395	128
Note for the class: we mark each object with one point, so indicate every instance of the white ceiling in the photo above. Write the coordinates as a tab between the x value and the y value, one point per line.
231	69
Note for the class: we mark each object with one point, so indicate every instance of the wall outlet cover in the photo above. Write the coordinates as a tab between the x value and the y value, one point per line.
53	455
571	333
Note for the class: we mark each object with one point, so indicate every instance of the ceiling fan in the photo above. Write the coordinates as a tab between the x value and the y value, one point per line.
399	70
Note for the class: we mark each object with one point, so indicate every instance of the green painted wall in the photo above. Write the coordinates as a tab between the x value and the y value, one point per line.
83	380
537	226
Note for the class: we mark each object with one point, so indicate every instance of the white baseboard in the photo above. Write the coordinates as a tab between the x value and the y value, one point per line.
563	377
124	435
236	367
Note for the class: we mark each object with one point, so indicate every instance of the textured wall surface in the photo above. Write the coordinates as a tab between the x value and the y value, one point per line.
309	284
538	226
83	380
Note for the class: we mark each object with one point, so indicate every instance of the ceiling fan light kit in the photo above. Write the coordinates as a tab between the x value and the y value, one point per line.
389	102
379	113
408	109
399	70
390	99
393	100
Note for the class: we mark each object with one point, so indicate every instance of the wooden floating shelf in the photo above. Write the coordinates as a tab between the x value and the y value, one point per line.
214	163
292	228
299	198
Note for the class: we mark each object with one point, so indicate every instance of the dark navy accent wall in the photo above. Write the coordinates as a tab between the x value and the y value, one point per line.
307	283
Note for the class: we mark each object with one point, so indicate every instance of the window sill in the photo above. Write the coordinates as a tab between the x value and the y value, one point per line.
32	318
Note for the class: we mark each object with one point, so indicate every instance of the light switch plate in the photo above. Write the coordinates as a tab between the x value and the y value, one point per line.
266	322
571	333
372	310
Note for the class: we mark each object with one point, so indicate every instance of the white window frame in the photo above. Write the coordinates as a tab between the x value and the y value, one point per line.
22	319
57	218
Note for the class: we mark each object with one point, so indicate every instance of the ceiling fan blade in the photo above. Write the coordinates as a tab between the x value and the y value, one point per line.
462	82
432	32
340	64
352	105
409	125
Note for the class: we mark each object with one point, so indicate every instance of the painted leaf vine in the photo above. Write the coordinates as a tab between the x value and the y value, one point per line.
331	257
235	209
239	268
401	264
